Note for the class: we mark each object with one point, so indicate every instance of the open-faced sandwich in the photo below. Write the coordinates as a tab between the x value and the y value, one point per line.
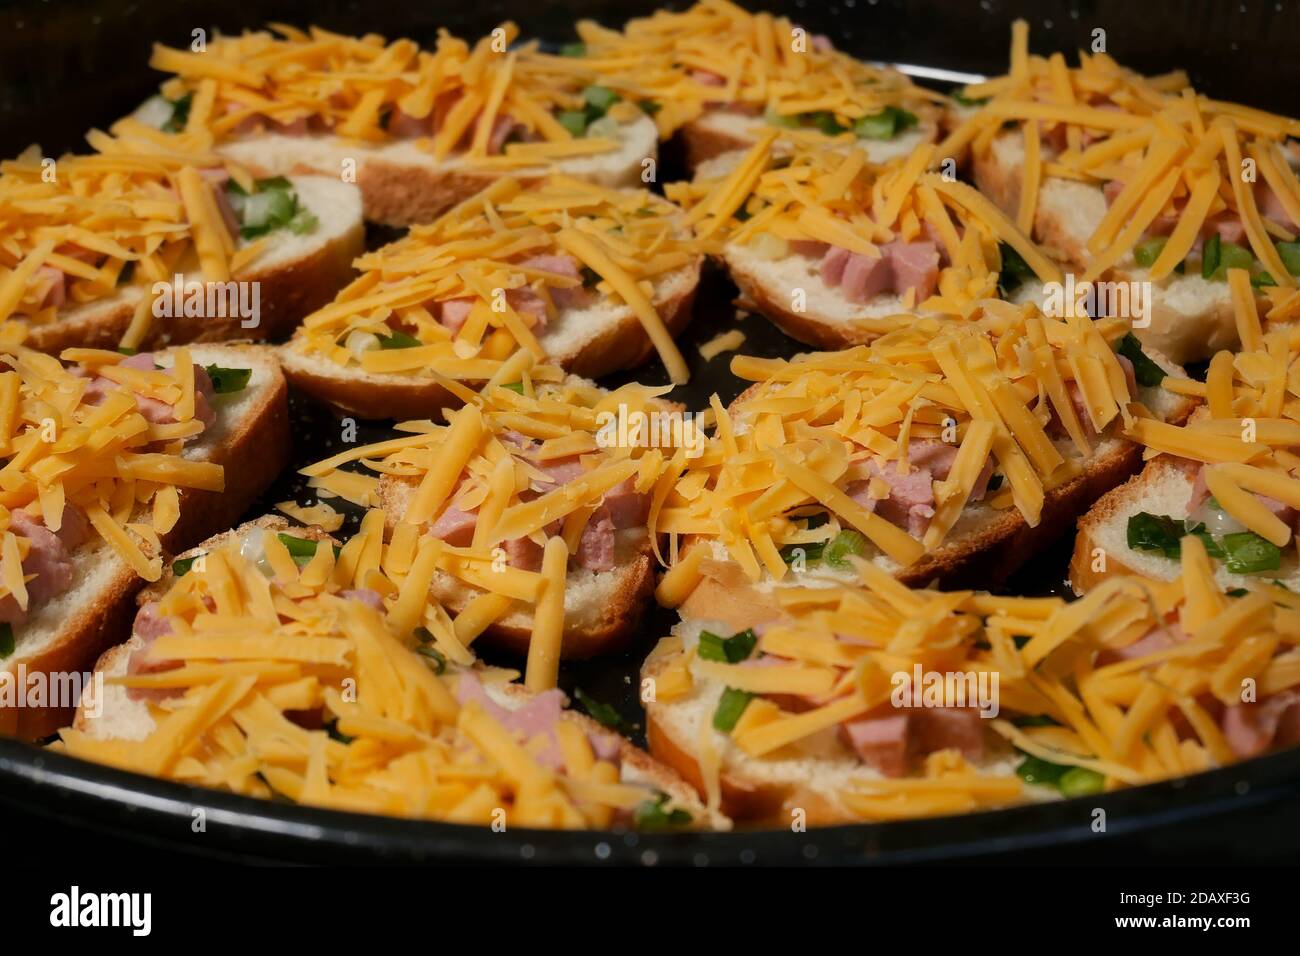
541	480
947	450
721	76
825	243
274	663
109	462
157	240
416	130
586	277
1228	476
1131	179
870	701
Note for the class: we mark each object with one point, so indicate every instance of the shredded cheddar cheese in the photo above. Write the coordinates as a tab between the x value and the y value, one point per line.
456	299
401	721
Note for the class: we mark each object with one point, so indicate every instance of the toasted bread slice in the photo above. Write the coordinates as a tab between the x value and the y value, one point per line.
402	184
118	716
601	609
759	791
1163	487
296	274
251	438
1190	319
593	341
984	547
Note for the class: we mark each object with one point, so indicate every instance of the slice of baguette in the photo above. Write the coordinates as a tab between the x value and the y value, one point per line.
1164	487
764	790
402	184
601	609
724	131
250	438
1190	319
593	341
119	717
297	274
985	546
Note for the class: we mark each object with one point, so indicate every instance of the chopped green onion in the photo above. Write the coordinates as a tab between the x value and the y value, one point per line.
1015	270
730	706
6	640
884	125
1148	251
516	387
599	99
434	657
1247	553
226	381
1210	253
332	728
727	650
301	550
1261	280
573	49
650	107
182	566
398	340
575	121
1148	532
1289	253
655	815
602	713
180	114
1040	772
845	543
812	551
773	118
824	121
961	99
1080	782
1147	372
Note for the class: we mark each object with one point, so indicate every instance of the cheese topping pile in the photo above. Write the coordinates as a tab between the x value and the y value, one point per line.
459	297
790	445
840	199
364	89
73	231
1248	432
718	55
1136	682
105	458
307	675
1172	154
492	462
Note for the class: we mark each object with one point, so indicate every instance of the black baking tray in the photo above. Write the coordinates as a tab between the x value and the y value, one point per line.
68	66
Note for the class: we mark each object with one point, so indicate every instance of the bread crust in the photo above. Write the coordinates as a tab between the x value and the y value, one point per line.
701	142
253	454
287	293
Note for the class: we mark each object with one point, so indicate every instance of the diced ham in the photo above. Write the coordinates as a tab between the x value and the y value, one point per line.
561	471
402	125
708	78
523	553
453	312
48	558
1159	639
1072	389
627	508
915	265
1227	224
900	266
155	411
454	526
910	504
939	456
149	626
366	596
865	277
833	263
576	297
889	740
810	248
442	105
534	723
596	546
525	301
502	127
1201	493
1253	728
56	294
295	127
1271	208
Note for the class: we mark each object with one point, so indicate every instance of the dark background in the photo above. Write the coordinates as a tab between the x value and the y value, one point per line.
67	66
